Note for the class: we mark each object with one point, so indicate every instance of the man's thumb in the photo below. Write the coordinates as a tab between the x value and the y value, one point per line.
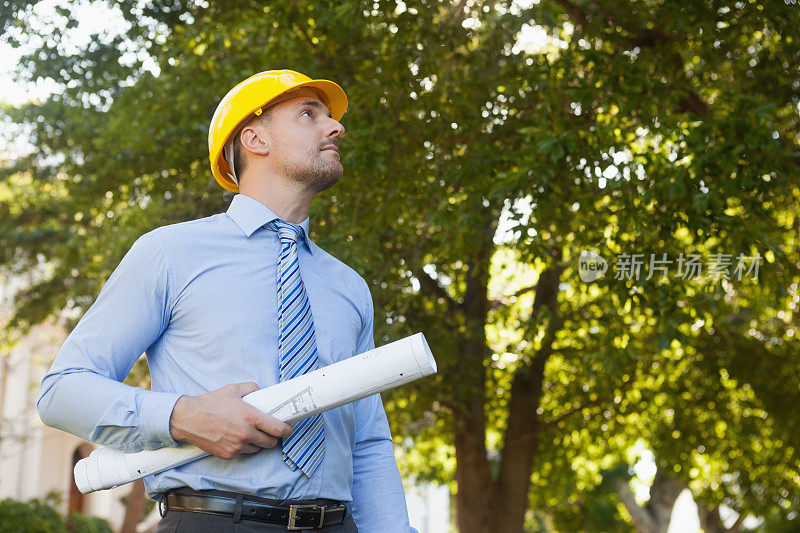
243	389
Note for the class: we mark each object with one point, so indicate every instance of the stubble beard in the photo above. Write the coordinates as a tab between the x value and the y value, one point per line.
318	174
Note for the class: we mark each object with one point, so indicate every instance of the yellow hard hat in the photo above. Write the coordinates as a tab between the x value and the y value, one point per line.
249	98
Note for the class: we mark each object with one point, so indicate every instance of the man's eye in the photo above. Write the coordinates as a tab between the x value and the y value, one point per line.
305	112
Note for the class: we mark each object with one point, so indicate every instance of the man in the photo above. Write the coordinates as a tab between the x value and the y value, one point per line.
226	305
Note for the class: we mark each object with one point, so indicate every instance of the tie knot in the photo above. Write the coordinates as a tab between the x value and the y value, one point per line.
286	231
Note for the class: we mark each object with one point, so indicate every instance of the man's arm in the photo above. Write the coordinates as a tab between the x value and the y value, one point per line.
379	502
83	394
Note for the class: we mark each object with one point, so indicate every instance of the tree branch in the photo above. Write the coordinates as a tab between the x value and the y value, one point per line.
577	14
711	522
432	286
638	36
306	36
555	421
458	11
642	521
592	403
523	291
499	303
737	525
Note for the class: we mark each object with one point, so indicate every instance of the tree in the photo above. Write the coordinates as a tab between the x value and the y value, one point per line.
655	516
478	167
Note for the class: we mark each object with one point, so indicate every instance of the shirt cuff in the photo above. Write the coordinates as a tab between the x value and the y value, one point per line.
155	411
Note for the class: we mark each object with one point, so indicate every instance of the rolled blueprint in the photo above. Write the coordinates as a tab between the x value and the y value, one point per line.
357	377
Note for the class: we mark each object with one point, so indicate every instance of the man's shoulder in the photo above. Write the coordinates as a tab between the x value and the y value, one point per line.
181	232
336	265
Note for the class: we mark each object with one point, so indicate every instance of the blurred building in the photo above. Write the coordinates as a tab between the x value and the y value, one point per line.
429	507
36	461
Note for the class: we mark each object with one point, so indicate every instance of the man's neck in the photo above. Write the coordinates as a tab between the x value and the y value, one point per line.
287	200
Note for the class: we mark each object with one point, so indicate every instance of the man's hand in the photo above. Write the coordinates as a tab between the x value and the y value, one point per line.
222	424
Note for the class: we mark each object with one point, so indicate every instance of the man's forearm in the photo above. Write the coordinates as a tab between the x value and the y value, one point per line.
102	410
379	502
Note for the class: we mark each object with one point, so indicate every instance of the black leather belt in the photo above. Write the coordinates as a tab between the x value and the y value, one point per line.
294	517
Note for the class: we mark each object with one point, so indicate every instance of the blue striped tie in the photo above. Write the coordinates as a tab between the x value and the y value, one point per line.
297	348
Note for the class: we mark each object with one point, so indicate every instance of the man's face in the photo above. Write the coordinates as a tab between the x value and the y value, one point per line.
303	142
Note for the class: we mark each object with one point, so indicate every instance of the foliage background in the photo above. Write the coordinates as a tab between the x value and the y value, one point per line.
37	516
478	167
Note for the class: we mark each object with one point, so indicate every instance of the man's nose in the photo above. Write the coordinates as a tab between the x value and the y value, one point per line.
335	129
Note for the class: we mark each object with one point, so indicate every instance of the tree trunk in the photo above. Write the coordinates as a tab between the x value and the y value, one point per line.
655	516
134	508
711	523
475	486
512	494
473	475
483	504
476	496
519	451
523	428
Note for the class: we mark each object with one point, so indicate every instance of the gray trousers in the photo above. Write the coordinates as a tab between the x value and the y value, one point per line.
188	522
191	522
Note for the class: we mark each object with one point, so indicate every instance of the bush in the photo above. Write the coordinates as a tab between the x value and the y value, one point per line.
77	523
35	516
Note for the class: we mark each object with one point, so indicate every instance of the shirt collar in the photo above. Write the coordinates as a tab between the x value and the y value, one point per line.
250	214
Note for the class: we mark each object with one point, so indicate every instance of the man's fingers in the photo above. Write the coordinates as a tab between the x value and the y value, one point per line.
272	426
242	389
259	438
232	389
250	448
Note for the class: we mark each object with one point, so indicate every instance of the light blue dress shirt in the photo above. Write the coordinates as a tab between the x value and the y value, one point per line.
200	299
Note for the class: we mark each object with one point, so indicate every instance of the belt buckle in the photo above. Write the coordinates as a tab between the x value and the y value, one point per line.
293	516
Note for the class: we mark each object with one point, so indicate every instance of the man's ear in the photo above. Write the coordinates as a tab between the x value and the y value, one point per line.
254	140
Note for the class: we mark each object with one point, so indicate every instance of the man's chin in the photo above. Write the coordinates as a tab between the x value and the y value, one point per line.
327	179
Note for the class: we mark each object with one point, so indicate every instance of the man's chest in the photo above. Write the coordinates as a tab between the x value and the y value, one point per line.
237	301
